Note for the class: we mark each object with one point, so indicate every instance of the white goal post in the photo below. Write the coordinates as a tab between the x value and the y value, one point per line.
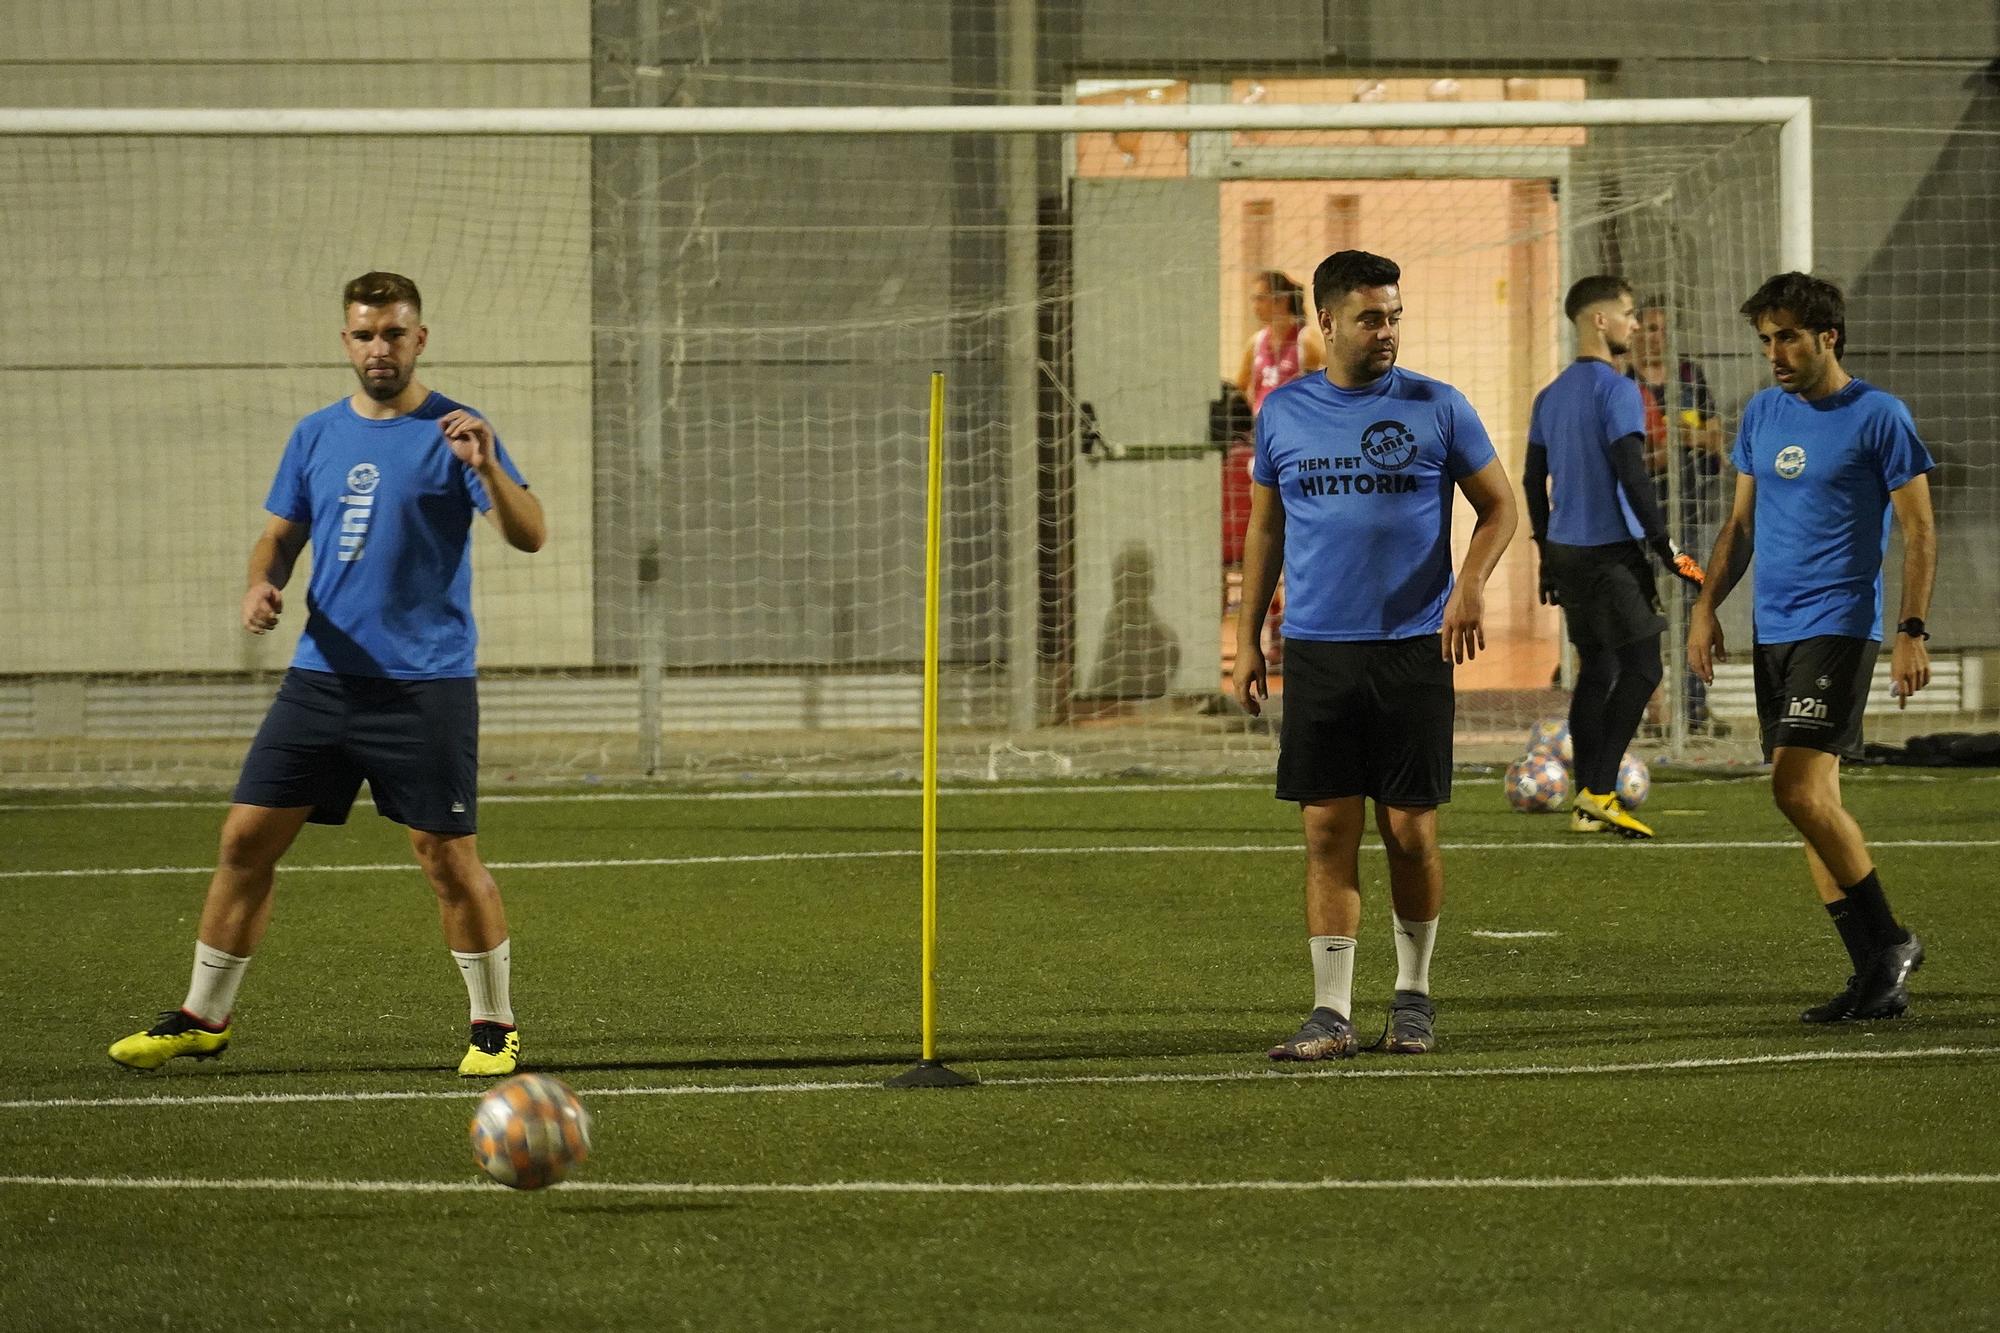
1793	116
620	708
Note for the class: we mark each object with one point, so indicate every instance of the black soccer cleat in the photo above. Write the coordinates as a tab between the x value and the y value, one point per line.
1837	1010
1883	993
1879	990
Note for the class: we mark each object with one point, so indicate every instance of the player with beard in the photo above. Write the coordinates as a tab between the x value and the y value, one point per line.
1822	459
1594	515
384	484
1352	497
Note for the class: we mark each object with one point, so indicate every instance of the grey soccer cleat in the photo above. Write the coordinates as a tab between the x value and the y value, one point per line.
1410	1031
1325	1036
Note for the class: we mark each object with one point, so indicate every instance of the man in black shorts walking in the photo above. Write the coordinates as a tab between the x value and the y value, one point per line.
1592	509
1352	494
1823	459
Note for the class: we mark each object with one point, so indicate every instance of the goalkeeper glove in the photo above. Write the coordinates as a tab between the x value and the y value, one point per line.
1678	562
1546	580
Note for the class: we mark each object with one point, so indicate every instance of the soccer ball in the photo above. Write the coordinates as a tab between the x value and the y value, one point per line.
1552	735
1536	783
1635	780
530	1131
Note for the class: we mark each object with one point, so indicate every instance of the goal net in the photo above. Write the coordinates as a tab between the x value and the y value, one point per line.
706	337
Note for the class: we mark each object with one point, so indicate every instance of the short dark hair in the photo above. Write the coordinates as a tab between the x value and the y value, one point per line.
1344	271
381	289
1814	302
1278	284
1587	292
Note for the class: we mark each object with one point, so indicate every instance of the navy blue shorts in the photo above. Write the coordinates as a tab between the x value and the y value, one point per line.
415	742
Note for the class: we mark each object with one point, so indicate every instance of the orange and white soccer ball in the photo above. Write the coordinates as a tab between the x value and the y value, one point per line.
1537	783
530	1131
1552	734
1635	781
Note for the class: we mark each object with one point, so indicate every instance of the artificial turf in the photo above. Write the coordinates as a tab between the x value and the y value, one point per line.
1625	1124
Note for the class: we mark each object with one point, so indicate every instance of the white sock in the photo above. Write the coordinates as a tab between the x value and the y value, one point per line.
1413	953
487	977
1333	973
212	987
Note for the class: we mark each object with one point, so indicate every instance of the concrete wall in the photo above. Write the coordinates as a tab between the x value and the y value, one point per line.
174	308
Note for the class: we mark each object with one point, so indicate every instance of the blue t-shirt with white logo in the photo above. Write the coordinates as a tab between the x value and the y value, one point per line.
1366	478
391	513
1824	471
1577	418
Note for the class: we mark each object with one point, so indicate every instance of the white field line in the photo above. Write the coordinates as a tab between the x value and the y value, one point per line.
949	1187
1257	1075
1596	843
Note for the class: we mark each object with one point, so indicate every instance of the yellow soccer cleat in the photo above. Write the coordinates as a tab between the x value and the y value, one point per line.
1611	813
1583	817
494	1052
177	1033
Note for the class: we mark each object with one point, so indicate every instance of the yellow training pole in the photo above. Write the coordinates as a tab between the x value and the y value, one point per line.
929	1073
933	549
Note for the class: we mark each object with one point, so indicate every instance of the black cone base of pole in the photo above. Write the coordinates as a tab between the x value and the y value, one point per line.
930	1074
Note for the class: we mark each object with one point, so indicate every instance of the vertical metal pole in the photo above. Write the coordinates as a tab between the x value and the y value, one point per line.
1023	470
648	419
1672	403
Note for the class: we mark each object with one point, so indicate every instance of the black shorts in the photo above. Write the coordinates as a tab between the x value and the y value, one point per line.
415	742
1812	693
1367	719
1608	595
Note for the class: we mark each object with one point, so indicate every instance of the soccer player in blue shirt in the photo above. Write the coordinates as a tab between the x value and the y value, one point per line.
1587	444
1351	497
1823	459
384	484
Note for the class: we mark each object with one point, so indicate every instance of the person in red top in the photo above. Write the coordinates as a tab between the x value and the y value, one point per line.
1278	353
1284	348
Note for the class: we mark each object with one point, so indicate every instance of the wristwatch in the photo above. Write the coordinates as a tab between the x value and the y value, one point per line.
1914	627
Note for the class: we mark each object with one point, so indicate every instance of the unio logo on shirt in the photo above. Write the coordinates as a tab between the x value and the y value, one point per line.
1791	461
1389	444
356	507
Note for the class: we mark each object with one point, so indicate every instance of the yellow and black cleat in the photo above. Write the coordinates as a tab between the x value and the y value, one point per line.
494	1051
1611	814
178	1033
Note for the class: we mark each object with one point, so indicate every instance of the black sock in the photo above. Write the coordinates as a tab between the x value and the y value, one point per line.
1872	908
1595	675
1853	933
1638	668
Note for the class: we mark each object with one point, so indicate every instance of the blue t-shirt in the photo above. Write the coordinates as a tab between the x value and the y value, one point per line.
1824	471
391	513
1366	476
1577	418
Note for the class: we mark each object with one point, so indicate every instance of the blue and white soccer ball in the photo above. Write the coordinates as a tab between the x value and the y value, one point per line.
1552	734
1635	781
1536	783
